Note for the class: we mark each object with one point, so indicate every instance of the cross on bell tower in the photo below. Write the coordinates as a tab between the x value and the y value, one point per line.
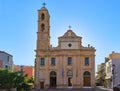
44	4
69	27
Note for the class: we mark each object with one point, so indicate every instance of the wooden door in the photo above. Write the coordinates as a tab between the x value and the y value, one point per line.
42	85
87	78
69	81
86	81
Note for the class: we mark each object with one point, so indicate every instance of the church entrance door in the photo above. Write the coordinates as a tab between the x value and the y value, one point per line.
87	81
42	85
70	75
69	81
53	79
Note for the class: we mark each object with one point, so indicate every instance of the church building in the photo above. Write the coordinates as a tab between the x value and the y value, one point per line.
69	65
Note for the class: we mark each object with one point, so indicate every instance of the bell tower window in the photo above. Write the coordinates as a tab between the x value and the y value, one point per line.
42	16
42	27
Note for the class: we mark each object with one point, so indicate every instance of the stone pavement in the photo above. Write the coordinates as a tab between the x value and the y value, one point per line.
101	87
73	89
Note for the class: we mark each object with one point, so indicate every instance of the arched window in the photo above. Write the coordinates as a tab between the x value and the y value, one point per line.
86	73
42	27
52	74
42	16
69	73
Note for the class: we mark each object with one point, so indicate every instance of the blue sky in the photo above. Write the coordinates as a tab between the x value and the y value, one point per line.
96	21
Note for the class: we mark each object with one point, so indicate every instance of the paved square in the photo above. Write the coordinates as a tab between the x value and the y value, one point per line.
72	89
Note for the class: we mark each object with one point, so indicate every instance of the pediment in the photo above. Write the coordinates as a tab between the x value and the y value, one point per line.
69	34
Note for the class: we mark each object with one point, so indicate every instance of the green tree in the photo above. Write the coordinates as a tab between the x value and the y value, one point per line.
6	79
30	80
9	79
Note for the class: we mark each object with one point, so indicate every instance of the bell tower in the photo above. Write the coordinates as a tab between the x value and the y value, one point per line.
43	34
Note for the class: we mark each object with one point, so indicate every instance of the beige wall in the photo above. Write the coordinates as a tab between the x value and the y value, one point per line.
78	68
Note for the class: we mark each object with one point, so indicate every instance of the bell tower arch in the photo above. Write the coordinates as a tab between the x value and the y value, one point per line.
43	34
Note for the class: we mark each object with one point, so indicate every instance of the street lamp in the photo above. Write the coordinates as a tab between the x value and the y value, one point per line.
113	72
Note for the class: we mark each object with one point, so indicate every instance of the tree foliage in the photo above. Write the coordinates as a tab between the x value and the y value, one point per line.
30	80
9	79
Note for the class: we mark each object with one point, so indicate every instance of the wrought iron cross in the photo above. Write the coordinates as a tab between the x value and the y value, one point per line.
44	4
69	27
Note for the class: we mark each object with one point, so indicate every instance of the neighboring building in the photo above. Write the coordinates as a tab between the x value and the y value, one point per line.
67	65
108	77
6	60
29	70
101	75
1	62
113	69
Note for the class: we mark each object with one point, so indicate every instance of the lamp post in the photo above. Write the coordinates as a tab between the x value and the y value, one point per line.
113	73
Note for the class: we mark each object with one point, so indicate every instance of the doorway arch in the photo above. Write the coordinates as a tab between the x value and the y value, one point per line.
53	79
87	78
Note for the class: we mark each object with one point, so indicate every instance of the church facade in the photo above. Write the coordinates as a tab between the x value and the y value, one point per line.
69	65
